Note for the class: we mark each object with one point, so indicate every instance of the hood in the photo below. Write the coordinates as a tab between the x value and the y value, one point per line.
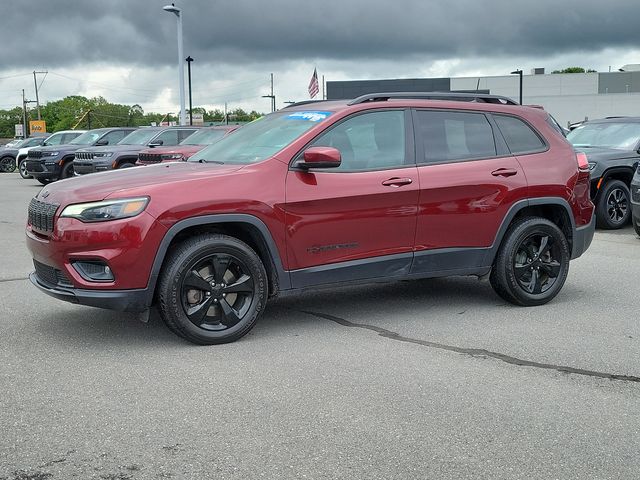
114	148
602	154
60	148
186	150
116	183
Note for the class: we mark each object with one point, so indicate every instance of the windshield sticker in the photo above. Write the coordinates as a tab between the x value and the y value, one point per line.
309	116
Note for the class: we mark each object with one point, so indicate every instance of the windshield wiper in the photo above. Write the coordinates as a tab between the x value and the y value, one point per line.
202	160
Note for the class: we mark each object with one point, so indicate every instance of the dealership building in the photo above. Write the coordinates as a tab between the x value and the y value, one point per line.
569	97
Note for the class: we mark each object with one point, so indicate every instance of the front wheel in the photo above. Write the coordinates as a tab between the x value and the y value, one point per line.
126	165
213	288
45	181
22	168
614	205
67	170
532	263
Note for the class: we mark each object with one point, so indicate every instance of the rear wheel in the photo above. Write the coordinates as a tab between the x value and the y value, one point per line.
532	263
614	205
22	168
7	164
213	288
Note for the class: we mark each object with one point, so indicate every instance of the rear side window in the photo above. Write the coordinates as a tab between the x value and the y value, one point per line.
520	137
451	136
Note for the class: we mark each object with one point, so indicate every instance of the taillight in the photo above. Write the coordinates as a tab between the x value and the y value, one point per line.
583	162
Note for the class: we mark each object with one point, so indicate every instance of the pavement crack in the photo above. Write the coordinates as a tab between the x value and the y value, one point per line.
474	352
16	279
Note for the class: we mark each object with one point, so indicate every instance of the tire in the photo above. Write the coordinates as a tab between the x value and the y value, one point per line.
613	209
7	164
529	270
198	279
636	227
67	170
22	168
126	165
45	181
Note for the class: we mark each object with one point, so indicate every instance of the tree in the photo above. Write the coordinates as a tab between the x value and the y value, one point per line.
575	70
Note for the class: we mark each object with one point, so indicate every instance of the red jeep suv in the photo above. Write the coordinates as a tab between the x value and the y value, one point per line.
381	188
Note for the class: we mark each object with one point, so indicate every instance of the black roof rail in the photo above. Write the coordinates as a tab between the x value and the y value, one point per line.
456	96
304	102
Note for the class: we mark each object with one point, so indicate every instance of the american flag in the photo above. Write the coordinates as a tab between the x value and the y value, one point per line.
313	84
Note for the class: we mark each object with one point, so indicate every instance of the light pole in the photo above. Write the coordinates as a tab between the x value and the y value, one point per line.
189	60
178	13
519	72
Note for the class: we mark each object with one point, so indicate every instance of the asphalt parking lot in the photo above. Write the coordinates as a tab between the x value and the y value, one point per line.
425	379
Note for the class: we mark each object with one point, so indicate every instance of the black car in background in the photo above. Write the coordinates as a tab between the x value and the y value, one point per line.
612	146
51	163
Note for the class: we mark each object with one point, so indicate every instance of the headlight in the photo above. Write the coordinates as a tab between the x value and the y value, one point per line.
102	154
50	154
106	210
592	165
172	156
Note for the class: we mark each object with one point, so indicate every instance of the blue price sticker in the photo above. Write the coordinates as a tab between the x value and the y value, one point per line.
313	116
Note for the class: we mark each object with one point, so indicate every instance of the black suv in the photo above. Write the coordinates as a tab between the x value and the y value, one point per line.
612	146
50	163
125	153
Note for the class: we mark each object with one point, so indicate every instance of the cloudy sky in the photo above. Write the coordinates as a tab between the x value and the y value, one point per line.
126	51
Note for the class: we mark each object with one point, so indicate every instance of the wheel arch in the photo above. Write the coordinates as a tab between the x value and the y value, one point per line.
554	209
624	174
125	159
247	228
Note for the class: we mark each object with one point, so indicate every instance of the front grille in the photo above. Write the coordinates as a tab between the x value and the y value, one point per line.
149	157
35	154
51	275
41	215
83	156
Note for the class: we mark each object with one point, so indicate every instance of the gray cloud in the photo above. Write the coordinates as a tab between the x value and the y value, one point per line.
60	33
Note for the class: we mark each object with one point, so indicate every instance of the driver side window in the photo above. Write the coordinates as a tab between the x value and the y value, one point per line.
371	141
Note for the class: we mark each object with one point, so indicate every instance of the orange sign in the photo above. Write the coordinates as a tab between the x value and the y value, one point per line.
37	126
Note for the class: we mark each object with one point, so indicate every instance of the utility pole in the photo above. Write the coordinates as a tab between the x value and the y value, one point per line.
189	60
324	97
272	96
24	114
226	115
35	83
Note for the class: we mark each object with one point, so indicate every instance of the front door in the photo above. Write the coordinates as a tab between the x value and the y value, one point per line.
356	221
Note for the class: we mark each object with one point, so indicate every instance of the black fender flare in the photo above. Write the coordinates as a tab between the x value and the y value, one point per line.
283	279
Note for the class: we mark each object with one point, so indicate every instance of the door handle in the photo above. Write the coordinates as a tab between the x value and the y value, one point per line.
504	172
397	182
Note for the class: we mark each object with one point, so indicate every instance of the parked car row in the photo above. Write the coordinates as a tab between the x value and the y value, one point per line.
104	149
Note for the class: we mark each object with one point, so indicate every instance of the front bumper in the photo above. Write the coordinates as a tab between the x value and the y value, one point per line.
582	238
82	167
120	300
39	169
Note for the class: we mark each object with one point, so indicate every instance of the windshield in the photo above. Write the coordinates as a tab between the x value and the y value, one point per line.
87	138
204	137
30	142
261	138
623	136
139	137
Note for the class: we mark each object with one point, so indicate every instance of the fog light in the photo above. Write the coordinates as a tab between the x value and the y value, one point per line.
94	271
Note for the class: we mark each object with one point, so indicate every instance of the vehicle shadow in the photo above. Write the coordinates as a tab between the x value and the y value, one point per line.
444	299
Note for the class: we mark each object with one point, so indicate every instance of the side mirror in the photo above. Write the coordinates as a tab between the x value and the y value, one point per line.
320	157
102	142
157	143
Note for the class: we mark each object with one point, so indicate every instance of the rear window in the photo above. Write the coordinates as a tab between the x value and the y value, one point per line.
520	137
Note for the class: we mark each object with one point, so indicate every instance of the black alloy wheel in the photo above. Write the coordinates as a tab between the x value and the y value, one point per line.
536	264
67	170
613	208
7	164
216	291
532	262
212	289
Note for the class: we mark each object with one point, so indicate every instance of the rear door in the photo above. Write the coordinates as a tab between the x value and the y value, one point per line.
468	182
358	220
